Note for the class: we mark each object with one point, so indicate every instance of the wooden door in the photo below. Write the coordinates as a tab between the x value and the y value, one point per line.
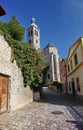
3	93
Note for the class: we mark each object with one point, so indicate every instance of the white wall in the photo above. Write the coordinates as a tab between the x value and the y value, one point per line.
17	94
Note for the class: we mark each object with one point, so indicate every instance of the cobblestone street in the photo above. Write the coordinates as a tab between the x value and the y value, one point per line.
54	112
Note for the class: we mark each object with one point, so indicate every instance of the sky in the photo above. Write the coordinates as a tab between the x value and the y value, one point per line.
60	21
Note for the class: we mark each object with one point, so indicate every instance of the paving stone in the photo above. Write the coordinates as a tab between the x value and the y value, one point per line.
38	115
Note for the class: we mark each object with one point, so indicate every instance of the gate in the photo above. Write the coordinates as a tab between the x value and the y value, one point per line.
4	80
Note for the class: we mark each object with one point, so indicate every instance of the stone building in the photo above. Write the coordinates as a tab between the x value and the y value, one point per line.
50	52
52	58
34	34
12	92
74	66
63	75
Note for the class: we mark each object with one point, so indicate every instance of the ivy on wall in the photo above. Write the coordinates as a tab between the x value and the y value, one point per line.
27	57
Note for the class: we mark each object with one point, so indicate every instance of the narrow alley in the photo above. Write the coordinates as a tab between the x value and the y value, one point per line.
55	112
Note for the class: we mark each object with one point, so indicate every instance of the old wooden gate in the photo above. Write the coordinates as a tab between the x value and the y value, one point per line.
4	80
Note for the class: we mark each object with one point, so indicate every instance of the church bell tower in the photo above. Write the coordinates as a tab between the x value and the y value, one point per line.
34	34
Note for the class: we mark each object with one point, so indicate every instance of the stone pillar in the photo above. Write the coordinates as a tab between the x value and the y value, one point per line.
52	68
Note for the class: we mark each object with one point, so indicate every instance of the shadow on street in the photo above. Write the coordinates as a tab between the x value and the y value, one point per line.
57	98
69	101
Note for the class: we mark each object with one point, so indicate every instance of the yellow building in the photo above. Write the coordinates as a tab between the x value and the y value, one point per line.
74	66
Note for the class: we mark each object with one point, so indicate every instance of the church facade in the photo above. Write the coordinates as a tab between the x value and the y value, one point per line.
53	60
50	52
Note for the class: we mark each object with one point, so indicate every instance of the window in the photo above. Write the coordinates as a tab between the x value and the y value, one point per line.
78	84
68	68
30	41
31	32
48	76
35	32
36	41
71	64
69	86
75	59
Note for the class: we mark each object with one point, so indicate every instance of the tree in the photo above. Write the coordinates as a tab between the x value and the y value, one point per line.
3	28
58	84
15	29
33	68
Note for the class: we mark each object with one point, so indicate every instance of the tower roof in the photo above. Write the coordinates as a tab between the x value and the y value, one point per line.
33	22
49	45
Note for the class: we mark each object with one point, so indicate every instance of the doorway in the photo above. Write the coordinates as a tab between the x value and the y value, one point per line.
4	81
73	87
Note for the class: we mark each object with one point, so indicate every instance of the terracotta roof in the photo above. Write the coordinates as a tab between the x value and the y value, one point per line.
2	11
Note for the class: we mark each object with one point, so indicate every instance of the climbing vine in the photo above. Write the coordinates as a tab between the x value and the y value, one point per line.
27	57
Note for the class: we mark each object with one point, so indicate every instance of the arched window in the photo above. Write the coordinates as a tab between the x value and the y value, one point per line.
35	32
30	41
69	86
78	83
75	59
36	41
48	76
31	32
68	68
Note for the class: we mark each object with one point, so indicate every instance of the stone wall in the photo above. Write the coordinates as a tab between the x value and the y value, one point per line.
5	56
17	94
63	75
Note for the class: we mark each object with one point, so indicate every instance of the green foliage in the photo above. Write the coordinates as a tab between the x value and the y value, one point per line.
1	33
13	28
33	66
58	84
3	28
27	57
